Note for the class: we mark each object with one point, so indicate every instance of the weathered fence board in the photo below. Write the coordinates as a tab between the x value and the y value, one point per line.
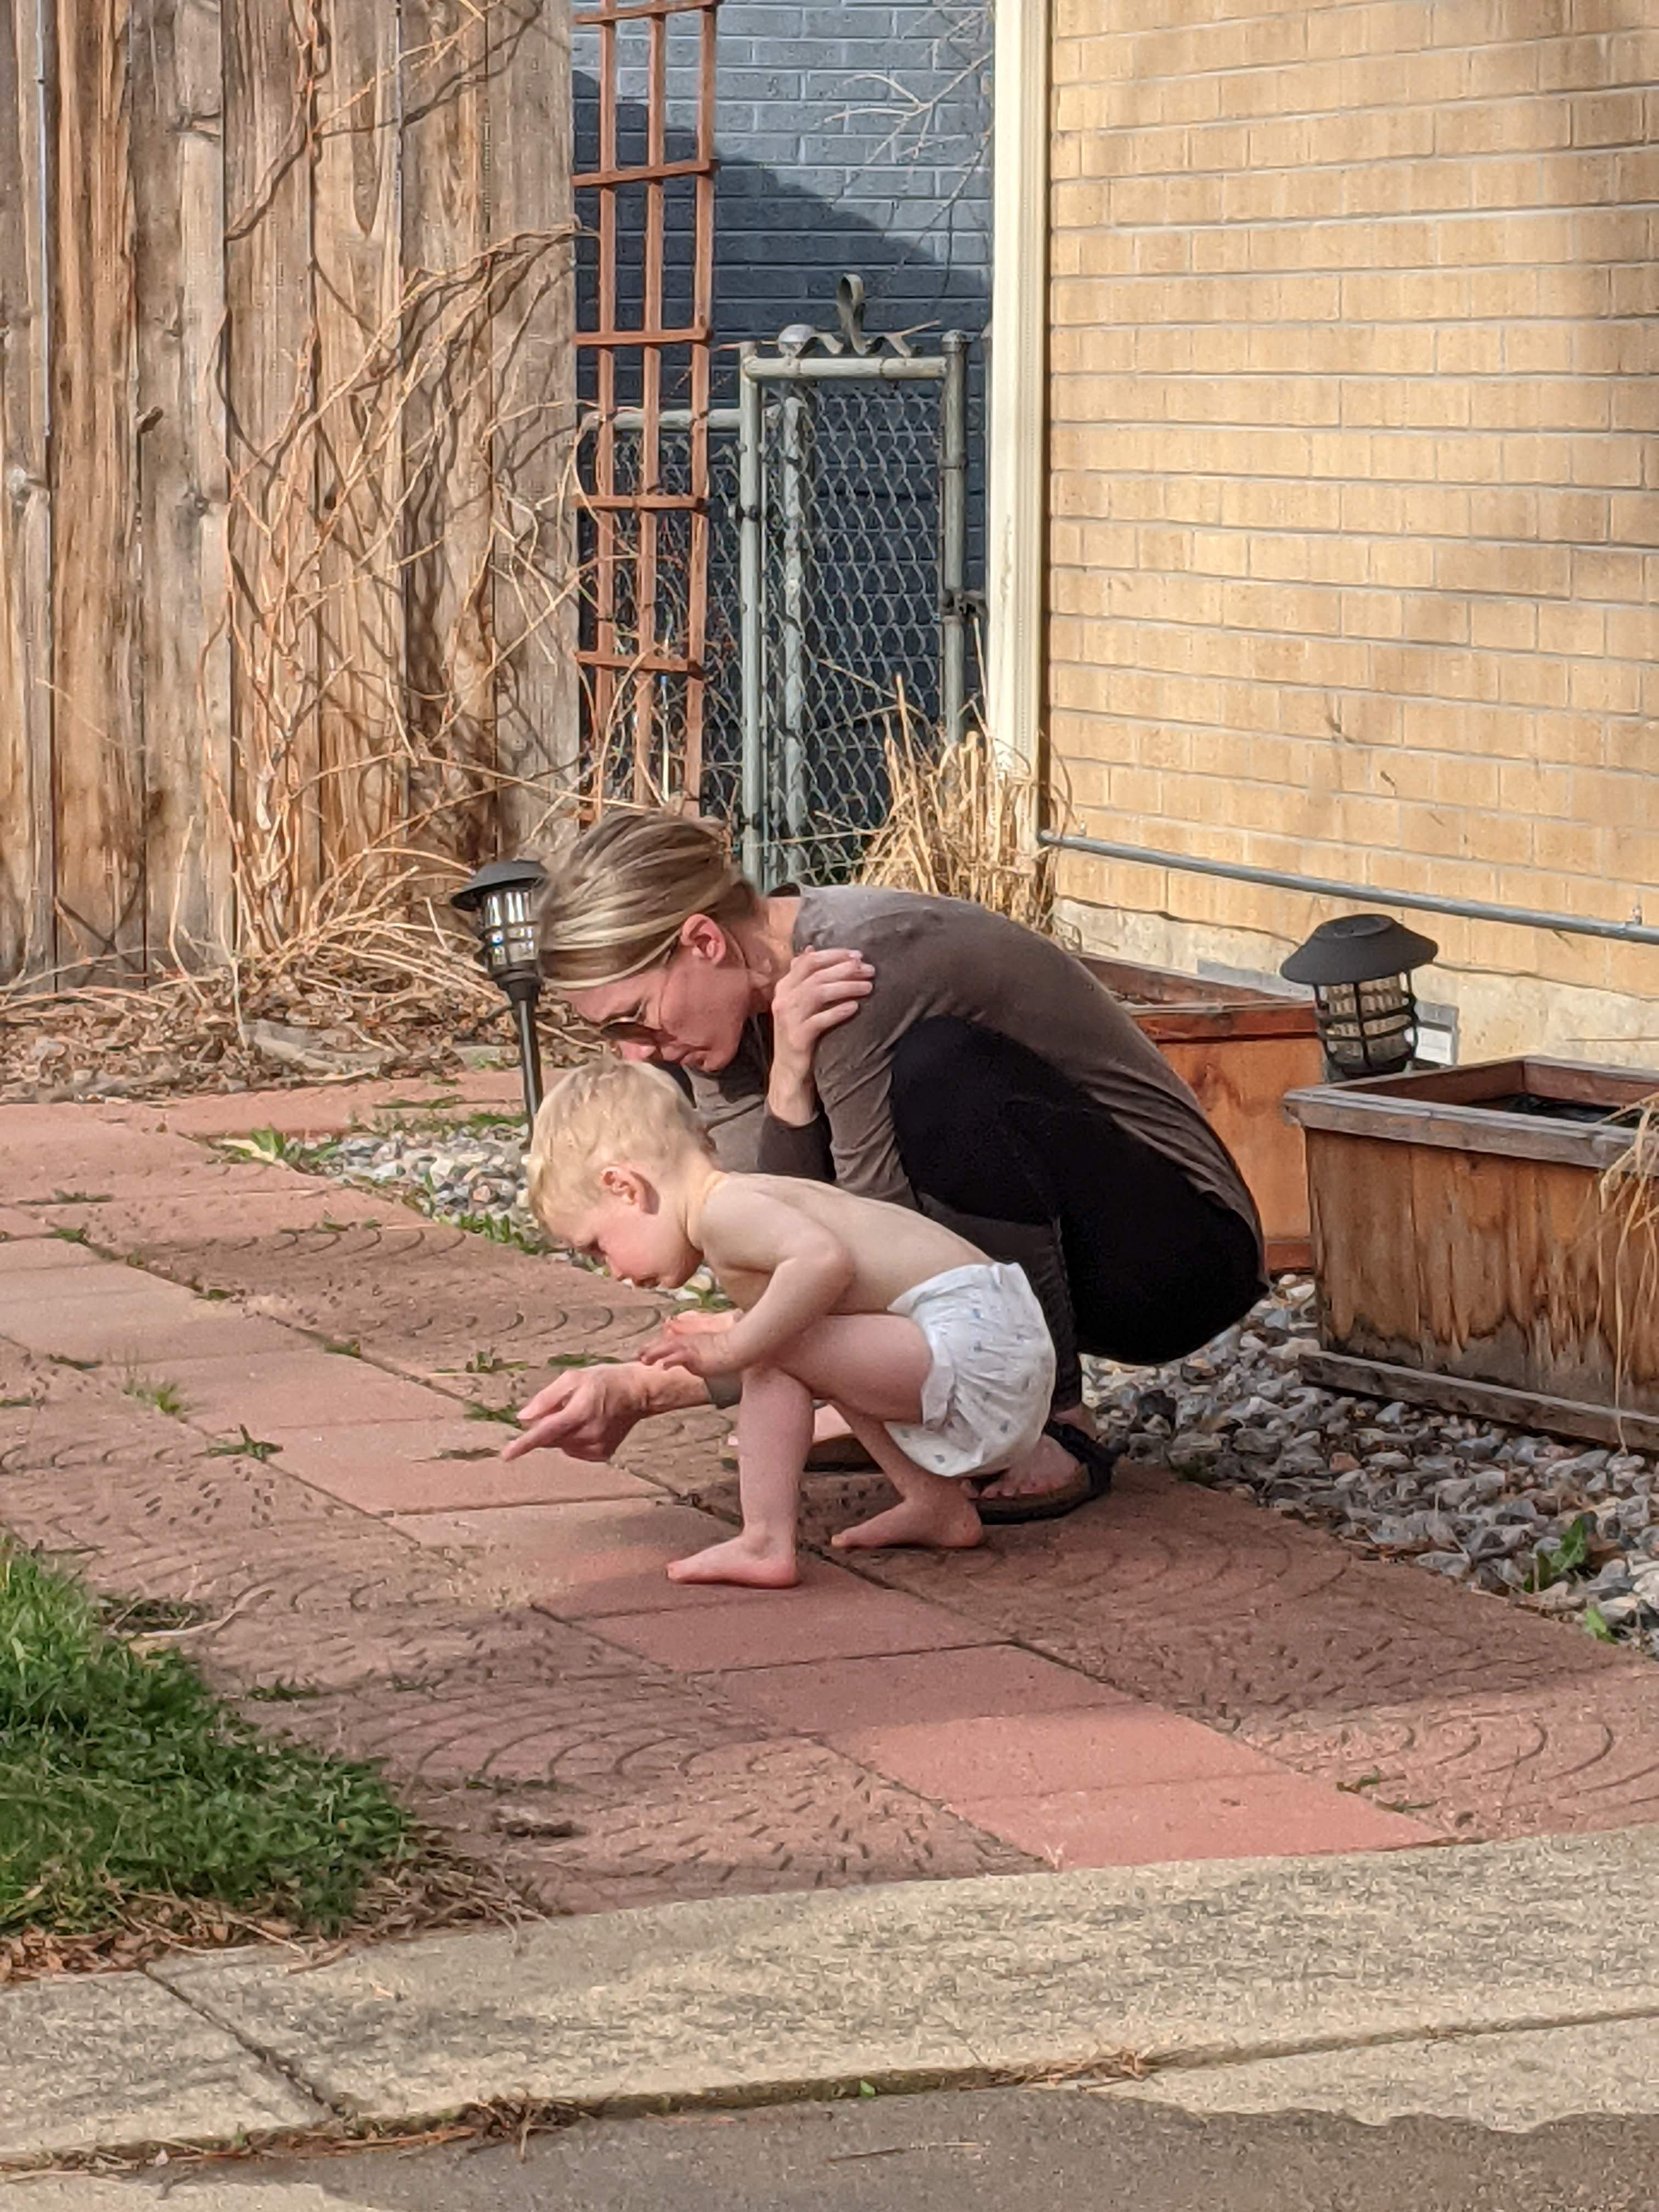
355	231
270	100
285	412
447	590
96	777
533	614
178	185
26	817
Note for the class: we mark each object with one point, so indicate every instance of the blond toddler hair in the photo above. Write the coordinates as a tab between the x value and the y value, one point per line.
596	1117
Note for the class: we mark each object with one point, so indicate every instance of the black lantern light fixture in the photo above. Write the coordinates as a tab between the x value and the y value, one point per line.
1360	968
501	903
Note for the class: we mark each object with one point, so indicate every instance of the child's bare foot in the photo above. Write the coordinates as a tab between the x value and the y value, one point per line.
741	1560
942	1524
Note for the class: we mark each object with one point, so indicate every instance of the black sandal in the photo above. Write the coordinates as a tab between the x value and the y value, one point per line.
1096	1461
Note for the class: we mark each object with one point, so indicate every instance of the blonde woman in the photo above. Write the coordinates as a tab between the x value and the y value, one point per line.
926	1052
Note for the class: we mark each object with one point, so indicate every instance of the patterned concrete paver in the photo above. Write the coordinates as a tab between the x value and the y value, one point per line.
441	1468
1167	1674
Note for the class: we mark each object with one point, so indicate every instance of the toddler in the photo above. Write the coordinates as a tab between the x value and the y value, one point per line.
938	1359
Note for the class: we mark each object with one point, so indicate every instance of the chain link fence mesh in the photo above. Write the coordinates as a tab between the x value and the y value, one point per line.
850	616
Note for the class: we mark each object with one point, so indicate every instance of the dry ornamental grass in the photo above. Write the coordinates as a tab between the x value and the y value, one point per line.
960	825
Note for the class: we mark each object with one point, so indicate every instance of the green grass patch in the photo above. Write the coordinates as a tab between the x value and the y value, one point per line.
122	1775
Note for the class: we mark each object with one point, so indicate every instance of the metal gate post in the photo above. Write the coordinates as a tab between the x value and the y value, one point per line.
791	816
751	550
953	537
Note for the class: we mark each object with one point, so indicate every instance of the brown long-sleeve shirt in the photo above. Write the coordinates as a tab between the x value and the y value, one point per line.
944	957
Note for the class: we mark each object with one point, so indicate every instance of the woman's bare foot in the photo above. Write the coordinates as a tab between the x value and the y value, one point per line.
1048	1466
741	1560
945	1524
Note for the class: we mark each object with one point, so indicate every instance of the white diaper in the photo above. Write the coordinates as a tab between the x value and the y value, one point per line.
987	1392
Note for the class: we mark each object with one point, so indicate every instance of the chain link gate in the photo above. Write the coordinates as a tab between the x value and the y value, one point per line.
853	603
833	612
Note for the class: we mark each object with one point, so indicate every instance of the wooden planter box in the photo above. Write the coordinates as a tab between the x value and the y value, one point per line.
1464	1256
1240	1050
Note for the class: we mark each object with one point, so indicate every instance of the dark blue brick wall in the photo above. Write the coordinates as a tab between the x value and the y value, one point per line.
852	134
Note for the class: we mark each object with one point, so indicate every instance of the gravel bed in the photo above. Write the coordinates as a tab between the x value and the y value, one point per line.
1570	1530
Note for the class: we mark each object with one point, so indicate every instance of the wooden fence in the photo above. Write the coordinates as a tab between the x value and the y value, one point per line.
286	401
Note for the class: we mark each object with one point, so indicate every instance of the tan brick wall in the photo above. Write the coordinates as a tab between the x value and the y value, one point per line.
1354	546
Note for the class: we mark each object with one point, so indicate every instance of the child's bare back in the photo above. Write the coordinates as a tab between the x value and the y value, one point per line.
892	1248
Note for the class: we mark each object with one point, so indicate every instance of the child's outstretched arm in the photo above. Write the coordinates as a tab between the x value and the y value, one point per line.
750	1232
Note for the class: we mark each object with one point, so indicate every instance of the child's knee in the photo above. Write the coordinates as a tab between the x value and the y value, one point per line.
768	1382
772	1394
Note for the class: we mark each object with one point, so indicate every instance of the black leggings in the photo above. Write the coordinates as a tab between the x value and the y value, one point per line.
1131	1262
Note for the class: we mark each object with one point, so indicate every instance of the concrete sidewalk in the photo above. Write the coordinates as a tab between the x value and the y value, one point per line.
1509	1983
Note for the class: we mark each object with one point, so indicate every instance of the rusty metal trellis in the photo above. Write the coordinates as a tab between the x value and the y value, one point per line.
639	638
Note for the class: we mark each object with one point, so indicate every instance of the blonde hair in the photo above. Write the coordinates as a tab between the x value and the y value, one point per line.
616	904
600	1116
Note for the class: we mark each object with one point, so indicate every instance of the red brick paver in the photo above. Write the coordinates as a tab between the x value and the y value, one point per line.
915	1689
1225	1817
1168	1673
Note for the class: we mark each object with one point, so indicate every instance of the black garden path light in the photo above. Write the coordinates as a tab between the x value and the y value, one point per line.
1360	967
501	903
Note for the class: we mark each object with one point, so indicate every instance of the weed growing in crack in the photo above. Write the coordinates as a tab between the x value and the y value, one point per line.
242	1446
165	1397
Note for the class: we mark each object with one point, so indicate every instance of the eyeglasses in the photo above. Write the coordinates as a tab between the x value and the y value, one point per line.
645	1024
